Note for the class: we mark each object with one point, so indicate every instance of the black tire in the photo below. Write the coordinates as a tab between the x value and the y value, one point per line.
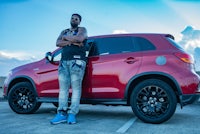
153	101
22	98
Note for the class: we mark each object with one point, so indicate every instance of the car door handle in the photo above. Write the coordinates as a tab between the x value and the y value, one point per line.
130	60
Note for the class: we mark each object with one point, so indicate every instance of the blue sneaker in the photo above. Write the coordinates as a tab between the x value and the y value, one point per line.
59	118
71	119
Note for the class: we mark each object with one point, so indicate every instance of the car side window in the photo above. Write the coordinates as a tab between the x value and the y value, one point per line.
115	45
143	43
92	48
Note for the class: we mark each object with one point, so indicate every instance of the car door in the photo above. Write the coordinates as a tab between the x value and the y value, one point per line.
110	70
48	75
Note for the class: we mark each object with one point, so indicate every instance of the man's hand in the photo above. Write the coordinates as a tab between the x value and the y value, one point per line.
62	43
70	42
78	44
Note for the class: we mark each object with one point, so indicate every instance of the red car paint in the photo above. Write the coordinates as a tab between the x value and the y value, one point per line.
110	77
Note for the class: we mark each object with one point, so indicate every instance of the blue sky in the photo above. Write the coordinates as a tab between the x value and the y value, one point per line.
29	28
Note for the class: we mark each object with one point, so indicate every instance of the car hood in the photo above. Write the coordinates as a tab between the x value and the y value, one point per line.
26	67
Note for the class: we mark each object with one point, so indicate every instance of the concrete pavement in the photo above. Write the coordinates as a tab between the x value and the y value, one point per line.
98	119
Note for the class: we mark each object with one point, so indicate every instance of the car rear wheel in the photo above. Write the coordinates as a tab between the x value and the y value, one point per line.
153	101
22	98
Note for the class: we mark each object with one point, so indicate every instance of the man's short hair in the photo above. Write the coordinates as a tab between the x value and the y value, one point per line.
79	16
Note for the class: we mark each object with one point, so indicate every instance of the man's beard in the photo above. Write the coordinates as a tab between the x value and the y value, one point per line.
74	25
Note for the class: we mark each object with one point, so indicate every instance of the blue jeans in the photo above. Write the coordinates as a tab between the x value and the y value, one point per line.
70	74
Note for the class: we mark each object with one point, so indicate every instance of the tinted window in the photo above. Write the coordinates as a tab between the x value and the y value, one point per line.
92	48
115	45
143	43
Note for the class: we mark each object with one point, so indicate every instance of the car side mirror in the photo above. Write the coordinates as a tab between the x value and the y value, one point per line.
48	56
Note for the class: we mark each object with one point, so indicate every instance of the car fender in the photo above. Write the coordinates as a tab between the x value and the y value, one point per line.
147	75
21	78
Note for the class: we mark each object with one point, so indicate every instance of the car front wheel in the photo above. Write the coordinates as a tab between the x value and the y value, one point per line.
22	98
153	101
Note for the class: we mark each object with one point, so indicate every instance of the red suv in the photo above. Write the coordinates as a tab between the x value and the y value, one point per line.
148	72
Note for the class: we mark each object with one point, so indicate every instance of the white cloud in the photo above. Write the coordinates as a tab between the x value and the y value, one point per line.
12	59
4	54
119	31
22	55
190	41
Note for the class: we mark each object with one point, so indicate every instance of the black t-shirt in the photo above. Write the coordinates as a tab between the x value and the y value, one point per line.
71	52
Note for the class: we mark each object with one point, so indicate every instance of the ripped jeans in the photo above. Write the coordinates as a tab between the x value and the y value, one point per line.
70	74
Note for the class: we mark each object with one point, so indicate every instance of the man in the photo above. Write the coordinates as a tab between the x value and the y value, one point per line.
71	70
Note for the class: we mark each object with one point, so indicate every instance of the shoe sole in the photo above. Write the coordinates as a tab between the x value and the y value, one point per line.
71	122
55	123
